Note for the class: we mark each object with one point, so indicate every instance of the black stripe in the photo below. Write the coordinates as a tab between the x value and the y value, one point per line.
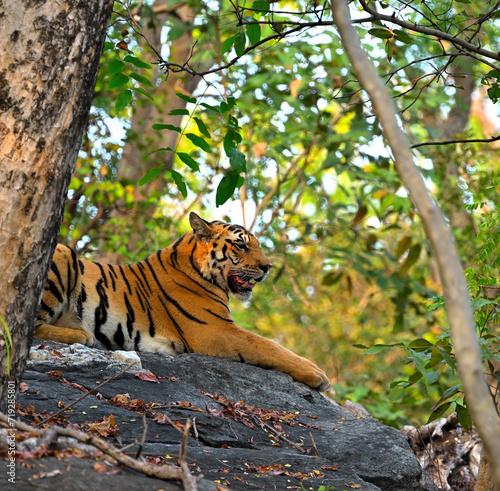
113	283
141	269
47	309
119	338
130	316
101	315
152	329
125	279
141	284
170	299
52	288
203	287
137	341
82	298
55	270
158	255
103	274
177	328
218	316
216	299
81	266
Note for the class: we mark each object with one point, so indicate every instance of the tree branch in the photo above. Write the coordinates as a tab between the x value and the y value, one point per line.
449	142
458	306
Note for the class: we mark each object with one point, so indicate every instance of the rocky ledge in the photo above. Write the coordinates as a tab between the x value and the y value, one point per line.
251	427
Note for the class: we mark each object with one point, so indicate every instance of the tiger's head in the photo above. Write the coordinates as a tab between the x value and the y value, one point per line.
230	256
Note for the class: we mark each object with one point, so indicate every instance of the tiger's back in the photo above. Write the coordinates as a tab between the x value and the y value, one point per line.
175	301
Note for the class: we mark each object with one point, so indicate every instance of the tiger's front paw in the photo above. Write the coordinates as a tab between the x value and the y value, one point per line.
84	337
311	375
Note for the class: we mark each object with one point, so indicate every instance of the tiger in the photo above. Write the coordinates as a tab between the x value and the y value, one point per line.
175	301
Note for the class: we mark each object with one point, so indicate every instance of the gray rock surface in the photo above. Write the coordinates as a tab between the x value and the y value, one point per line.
233	444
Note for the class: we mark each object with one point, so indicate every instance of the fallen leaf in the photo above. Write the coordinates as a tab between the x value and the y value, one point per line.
147	376
23	387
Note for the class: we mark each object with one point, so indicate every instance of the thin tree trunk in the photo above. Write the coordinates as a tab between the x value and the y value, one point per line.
142	139
459	311
50	55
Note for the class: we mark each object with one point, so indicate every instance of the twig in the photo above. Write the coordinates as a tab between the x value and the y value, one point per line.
448	142
314	445
279	434
65	408
188	480
195	429
163	472
144	433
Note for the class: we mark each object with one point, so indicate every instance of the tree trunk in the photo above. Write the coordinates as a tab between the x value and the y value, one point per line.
141	138
50	55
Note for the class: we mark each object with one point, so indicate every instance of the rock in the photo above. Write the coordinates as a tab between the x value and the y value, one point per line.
252	427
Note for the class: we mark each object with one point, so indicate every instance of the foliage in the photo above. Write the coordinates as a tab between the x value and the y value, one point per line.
5	333
278	123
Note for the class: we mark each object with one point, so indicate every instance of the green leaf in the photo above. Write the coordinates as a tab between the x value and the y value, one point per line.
179	112
261	5
396	393
141	79
388	49
164	149
188	160
227	105
240	42
380	33
179	182
403	37
438	412
186	98
429	376
137	62
360	346
176	31
160	126
115	65
411	259
143	92
199	142
463	417
227	44
447	358
201	126
215	109
253	32
123	100
152	174
118	80
229	141
108	46
377	349
226	187
237	160
420	344
332	278
403	246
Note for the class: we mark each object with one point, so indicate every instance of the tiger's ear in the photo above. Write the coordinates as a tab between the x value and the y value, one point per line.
202	229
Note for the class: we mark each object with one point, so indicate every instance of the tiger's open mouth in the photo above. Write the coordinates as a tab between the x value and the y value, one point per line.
241	283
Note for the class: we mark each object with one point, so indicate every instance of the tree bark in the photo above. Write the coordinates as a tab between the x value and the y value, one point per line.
50	55
458	307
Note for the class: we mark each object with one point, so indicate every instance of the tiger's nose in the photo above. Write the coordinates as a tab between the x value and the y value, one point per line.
265	267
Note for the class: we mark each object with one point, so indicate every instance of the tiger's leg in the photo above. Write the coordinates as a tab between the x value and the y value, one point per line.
236	343
64	335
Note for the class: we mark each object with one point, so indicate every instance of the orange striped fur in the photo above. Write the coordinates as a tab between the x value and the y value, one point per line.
175	301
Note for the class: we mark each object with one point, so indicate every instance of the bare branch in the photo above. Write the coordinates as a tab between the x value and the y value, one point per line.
451	142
